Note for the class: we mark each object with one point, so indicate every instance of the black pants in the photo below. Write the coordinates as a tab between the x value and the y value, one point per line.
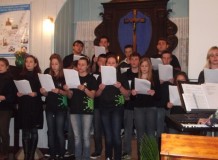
30	141
5	117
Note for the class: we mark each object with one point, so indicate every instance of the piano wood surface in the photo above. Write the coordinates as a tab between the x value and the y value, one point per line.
188	147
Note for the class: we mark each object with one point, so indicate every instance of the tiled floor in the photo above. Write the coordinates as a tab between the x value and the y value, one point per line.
134	151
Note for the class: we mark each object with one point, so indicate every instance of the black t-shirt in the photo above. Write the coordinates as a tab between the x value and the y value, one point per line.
111	96
80	103
56	102
130	77
69	61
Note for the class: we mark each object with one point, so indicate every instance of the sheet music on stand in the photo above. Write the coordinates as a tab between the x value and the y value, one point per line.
198	97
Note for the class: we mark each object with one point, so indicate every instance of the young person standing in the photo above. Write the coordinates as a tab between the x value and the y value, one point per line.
7	98
30	111
81	109
111	102
56	108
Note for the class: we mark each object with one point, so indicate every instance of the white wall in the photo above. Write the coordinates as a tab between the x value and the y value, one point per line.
203	33
41	43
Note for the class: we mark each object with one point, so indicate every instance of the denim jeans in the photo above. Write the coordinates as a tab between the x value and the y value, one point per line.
145	122
97	123
112	120
81	127
70	135
56	139
161	125
128	130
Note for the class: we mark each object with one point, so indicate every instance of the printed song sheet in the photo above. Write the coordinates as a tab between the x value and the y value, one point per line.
46	82
210	75
174	96
142	86
76	57
108	75
23	86
165	72
99	50
155	62
71	78
124	69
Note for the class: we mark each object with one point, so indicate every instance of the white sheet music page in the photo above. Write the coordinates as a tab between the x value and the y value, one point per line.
211	93
155	62
190	102
142	86
99	50
124	69
108	75
165	72
23	86
76	57
46	81
210	75
174	96
198	95
72	78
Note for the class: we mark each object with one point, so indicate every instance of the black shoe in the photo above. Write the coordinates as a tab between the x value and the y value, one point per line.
95	155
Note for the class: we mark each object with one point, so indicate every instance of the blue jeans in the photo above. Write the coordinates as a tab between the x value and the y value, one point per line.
112	120
56	139
81	127
128	129
70	135
161	113
97	131
145	122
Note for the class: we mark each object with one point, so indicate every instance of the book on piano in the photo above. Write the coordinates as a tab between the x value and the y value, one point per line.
198	97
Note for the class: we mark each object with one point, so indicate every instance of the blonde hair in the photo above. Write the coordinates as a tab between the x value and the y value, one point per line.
208	63
145	59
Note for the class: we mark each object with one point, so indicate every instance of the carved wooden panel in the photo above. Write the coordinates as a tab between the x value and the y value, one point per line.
156	10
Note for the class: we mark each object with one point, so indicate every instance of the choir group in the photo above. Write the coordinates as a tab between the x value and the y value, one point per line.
108	108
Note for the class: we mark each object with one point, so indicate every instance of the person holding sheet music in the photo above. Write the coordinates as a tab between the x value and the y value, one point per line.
111	102
212	62
166	58
97	122
125	64
30	110
7	99
104	42
81	103
175	109
145	111
69	60
162	45
131	73
56	108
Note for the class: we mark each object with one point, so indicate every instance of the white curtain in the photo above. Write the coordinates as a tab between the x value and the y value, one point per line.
182	49
85	32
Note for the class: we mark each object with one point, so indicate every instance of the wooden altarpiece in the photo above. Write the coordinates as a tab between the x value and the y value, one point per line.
157	12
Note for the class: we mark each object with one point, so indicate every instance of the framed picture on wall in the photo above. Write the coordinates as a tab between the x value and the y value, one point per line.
14	29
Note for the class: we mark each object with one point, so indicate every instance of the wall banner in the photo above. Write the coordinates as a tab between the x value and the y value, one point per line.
14	29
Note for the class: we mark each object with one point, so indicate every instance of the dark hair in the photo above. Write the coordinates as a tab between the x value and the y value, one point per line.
104	37
112	56
135	54
5	61
36	68
181	73
166	52
58	57
85	59
163	39
128	46
102	56
79	42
